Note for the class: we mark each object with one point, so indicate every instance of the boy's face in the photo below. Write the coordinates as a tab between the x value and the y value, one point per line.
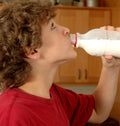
56	45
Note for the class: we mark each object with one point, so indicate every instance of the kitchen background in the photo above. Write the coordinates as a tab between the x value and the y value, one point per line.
83	74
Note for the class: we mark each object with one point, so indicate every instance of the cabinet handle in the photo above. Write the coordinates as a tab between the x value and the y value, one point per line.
85	74
79	74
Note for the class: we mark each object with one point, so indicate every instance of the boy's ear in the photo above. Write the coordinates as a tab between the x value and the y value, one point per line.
32	53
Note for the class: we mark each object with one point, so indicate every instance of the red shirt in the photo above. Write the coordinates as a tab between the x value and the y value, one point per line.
64	108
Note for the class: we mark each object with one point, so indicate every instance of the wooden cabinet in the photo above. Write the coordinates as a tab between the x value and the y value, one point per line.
86	68
116	17
82	19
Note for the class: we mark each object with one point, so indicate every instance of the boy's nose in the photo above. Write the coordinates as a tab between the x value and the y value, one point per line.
66	31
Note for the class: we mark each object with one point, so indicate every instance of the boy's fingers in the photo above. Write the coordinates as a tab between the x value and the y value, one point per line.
117	29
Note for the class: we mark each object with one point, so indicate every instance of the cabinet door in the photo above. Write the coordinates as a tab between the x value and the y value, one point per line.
75	19
81	66
86	68
67	72
94	69
98	18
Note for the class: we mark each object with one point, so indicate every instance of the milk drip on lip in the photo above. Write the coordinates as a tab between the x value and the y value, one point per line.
98	42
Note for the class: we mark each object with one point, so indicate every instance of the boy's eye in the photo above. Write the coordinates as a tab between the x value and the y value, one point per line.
53	26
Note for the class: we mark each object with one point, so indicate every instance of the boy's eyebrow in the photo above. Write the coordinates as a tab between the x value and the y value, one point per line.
50	18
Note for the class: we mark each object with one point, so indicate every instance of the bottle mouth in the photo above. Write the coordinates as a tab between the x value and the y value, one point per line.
73	38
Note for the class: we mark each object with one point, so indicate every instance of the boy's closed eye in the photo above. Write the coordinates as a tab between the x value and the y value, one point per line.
53	26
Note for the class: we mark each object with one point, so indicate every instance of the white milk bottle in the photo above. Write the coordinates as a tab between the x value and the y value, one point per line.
98	42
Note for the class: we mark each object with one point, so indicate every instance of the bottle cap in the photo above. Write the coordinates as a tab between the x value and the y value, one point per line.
74	38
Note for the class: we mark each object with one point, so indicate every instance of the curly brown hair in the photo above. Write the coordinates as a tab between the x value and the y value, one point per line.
20	28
